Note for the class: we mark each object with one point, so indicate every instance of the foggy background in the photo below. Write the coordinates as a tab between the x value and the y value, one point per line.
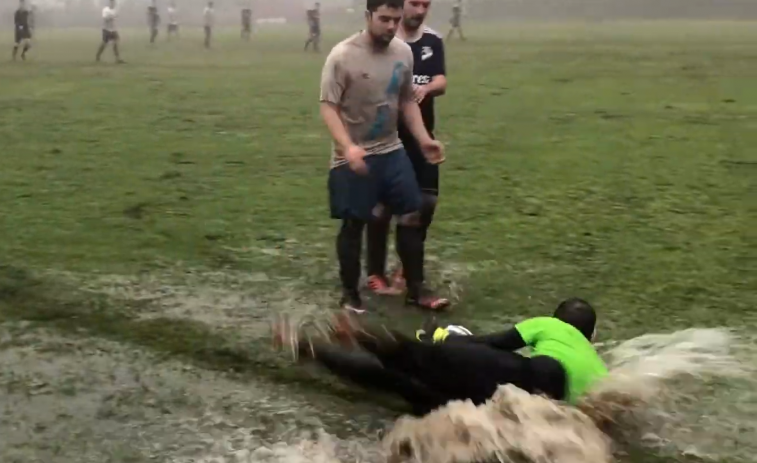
86	13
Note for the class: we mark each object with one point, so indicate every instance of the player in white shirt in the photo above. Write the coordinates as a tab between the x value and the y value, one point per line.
110	34
209	19
173	20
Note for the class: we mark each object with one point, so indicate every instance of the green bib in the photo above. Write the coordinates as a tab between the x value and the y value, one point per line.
564	343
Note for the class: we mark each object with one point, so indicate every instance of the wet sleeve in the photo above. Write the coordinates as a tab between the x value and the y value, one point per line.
531	330
333	81
509	340
439	63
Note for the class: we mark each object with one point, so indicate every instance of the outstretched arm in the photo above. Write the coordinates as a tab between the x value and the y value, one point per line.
509	340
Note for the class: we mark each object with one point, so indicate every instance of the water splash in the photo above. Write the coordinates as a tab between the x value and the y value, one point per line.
688	392
513	427
646	399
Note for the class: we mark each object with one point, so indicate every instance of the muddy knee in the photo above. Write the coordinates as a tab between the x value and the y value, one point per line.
412	219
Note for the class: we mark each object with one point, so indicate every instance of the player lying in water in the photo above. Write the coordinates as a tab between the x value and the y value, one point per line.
451	364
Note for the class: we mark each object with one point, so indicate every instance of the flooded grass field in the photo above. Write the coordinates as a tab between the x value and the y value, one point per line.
155	215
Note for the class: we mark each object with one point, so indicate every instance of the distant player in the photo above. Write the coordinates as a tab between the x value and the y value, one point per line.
110	34
314	23
366	86
173	20
429	81
456	21
246	23
22	20
209	19
153	20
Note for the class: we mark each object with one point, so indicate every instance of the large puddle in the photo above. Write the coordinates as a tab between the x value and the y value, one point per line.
89	400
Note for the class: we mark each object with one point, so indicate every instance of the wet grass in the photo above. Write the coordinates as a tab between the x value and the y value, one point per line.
82	315
613	162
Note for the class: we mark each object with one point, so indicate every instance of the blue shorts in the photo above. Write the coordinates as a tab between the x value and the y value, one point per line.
390	181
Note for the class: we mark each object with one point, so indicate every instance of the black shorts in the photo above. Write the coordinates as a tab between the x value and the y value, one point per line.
173	28
390	181
110	36
23	34
426	174
315	31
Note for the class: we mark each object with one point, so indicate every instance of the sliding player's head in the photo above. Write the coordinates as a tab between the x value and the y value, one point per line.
415	14
382	19
580	314
112	3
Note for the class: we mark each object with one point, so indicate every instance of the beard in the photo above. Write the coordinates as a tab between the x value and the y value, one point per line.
414	22
382	40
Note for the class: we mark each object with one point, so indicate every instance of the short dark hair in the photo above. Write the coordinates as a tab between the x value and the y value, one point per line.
373	5
578	313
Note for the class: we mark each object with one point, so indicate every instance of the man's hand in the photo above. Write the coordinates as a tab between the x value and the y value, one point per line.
355	156
419	93
433	150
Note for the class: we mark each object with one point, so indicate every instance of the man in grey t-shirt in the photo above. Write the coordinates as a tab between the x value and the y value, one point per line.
367	83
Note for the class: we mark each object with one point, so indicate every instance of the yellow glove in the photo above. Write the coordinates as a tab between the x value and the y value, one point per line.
440	335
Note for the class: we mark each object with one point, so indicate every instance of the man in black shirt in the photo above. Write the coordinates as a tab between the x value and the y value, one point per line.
23	31
429	81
